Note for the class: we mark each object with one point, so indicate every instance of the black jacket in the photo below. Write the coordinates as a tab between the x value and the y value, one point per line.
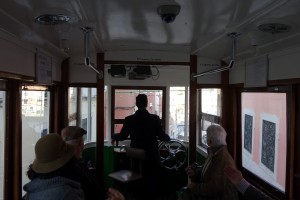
144	130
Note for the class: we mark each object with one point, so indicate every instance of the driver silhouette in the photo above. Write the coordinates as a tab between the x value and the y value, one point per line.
144	130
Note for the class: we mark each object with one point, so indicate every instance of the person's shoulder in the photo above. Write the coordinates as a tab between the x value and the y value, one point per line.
153	115
129	117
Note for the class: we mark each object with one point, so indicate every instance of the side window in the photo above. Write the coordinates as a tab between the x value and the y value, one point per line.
83	110
35	122
209	105
2	140
264	137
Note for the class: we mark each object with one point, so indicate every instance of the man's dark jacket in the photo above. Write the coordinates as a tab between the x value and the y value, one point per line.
144	130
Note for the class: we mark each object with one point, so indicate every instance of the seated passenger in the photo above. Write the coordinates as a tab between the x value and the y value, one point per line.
246	189
209	181
51	171
90	184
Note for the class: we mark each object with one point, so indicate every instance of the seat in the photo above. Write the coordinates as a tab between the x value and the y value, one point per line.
89	154
136	157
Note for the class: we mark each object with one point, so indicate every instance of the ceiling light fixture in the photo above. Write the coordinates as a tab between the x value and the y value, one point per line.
274	26
51	19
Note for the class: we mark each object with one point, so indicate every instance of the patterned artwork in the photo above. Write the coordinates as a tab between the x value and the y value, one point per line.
268	144
248	127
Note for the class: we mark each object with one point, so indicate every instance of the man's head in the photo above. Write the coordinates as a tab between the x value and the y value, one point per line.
141	101
216	135
74	135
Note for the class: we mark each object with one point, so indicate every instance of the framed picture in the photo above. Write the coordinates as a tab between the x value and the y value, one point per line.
43	68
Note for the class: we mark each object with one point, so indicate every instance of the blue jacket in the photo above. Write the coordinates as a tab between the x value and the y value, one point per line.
57	188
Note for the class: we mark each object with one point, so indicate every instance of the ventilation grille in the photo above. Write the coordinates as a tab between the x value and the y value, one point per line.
274	28
51	19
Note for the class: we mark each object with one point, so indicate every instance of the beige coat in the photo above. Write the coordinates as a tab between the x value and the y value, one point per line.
213	183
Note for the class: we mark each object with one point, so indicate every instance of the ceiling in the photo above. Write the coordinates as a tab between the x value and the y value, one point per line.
200	28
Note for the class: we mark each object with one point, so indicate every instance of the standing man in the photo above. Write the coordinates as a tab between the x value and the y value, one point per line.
144	130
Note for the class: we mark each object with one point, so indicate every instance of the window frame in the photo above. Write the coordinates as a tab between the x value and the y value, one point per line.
211	118
77	116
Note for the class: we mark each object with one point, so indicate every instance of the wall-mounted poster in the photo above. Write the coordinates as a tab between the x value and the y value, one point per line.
256	72
43	68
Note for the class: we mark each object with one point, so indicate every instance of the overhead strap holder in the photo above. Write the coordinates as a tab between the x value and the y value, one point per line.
233	36
86	31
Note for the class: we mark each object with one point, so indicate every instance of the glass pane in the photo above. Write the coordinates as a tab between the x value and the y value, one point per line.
35	124
72	106
177	113
125	102
83	110
117	128
264	136
2	141
210	111
211	101
88	112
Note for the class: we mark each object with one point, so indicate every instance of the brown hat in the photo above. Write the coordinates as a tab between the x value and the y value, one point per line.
51	153
72	133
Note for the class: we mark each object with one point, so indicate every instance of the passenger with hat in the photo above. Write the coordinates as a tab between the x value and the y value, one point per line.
90	184
52	170
54	174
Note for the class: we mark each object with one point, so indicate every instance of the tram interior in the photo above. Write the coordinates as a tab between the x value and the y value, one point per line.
233	63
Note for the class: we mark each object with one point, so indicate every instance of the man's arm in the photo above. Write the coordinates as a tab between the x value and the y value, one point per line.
160	132
123	134
246	189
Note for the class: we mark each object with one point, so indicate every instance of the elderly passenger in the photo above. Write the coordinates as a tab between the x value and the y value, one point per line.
91	185
209	181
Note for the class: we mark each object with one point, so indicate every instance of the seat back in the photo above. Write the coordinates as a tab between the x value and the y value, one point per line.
136	157
135	153
89	154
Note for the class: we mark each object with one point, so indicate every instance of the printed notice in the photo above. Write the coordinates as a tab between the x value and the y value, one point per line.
43	69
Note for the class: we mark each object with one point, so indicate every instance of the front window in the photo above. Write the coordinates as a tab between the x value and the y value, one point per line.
35	123
123	104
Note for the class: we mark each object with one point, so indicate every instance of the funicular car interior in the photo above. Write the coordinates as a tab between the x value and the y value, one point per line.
233	63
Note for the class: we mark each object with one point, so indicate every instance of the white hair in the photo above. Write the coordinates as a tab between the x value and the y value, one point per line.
216	134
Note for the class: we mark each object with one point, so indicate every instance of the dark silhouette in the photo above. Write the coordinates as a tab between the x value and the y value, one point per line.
144	130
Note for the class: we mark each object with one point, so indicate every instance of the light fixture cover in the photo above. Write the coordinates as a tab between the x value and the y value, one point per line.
51	19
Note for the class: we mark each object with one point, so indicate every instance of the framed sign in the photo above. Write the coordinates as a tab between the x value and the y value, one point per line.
256	72
43	69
